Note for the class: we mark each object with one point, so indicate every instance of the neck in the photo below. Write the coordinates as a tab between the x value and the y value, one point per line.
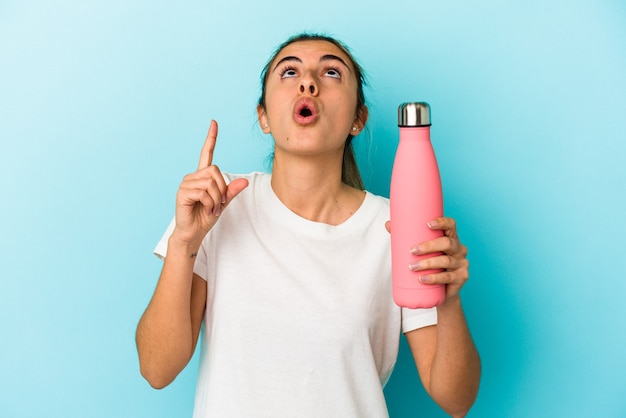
313	189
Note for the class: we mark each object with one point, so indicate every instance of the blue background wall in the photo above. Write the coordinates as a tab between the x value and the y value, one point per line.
104	106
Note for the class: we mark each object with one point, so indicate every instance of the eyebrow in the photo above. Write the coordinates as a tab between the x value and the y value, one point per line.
327	57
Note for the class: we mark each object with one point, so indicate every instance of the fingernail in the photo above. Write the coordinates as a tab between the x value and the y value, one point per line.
415	266
432	224
217	210
416	250
424	279
224	198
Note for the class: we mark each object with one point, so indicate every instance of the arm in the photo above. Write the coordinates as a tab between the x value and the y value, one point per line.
447	360
169	328
446	357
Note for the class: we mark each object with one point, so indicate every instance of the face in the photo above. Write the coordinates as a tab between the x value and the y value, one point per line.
311	99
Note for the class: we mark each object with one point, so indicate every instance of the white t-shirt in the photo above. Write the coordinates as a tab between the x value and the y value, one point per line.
300	320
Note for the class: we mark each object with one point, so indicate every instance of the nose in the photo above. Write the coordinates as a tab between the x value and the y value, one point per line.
308	85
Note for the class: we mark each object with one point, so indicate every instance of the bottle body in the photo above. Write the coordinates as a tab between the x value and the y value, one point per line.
415	199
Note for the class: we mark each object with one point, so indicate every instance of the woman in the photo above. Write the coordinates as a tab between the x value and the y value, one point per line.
290	272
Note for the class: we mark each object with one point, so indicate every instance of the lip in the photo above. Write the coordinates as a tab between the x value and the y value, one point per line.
301	106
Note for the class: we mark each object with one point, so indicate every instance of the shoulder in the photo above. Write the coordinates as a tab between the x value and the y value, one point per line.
379	203
381	200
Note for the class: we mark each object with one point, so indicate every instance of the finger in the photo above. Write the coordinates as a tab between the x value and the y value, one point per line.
212	177
440	262
210	173
191	197
442	244
456	277
206	155
205	182
234	188
388	226
218	178
217	197
212	186
448	225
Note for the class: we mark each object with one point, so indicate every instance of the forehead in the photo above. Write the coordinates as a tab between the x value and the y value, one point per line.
313	49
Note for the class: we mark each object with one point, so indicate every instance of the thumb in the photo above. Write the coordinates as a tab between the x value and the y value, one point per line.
388	226
234	188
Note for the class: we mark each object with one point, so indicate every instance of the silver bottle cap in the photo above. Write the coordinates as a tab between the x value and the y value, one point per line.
414	114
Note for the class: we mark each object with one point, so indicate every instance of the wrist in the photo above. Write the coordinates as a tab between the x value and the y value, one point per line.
451	302
179	245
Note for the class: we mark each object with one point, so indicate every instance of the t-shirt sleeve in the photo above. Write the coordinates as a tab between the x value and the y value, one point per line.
161	249
413	319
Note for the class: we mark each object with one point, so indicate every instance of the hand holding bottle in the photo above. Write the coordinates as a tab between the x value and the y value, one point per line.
449	257
452	258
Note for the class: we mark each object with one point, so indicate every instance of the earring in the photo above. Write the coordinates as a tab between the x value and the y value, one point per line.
265	125
354	128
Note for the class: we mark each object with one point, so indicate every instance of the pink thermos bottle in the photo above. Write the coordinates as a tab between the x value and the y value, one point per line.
415	199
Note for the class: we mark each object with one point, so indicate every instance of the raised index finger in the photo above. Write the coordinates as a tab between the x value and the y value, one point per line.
206	155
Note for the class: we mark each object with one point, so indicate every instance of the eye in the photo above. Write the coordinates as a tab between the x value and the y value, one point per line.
288	71
333	72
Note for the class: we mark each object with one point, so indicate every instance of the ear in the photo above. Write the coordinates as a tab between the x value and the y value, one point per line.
263	120
361	119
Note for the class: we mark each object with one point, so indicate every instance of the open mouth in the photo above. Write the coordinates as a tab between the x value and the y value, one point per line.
305	112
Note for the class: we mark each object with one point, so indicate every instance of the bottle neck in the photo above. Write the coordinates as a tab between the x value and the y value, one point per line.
415	132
